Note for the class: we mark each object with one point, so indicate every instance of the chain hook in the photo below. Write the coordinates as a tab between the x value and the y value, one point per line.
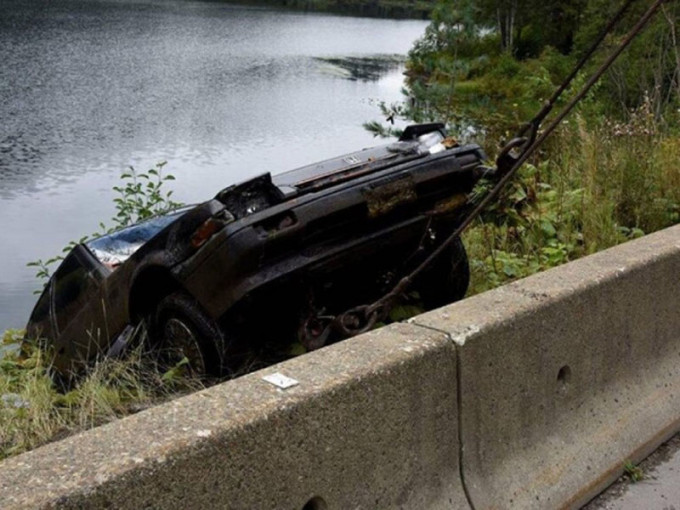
356	320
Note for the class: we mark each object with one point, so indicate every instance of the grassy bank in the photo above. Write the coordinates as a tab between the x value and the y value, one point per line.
33	412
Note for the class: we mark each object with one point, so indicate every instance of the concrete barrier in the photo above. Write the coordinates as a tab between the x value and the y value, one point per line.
566	375
371	424
533	395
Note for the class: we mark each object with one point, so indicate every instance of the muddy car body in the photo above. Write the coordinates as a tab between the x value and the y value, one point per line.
269	257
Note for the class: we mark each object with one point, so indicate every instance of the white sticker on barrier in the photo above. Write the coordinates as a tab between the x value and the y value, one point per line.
280	381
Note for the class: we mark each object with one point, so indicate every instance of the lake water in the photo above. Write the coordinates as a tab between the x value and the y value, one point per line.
221	92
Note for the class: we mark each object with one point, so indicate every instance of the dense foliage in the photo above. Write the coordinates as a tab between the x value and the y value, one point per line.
610	173
491	66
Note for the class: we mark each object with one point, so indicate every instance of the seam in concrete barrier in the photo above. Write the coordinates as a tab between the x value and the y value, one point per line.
459	407
459	403
610	322
371	425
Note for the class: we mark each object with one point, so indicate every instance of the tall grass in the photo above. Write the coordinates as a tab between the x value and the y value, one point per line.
33	412
595	185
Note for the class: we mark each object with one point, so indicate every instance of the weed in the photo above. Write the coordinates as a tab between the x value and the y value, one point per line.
634	473
140	196
596	186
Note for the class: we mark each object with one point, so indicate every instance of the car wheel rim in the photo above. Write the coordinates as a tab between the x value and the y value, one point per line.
180	343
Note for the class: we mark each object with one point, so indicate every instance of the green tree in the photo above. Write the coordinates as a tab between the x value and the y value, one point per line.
649	70
526	27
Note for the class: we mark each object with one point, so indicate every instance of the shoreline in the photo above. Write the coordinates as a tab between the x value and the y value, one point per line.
388	9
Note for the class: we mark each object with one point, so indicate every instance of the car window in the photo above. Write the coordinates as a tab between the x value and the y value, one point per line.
115	248
39	321
73	287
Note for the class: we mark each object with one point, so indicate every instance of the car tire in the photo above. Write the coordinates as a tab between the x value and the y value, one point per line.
181	329
447	279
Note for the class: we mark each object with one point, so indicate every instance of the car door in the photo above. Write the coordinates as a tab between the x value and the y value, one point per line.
79	308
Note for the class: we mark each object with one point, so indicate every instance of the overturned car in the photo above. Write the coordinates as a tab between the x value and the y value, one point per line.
273	257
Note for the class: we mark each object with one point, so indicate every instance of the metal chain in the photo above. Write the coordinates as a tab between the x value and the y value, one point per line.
362	318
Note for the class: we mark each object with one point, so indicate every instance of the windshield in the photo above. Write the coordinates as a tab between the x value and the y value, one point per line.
115	248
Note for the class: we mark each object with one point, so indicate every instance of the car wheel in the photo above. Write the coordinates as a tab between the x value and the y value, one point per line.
447	279
182	330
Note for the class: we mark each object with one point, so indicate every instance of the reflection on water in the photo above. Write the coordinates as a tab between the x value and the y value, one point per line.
221	92
370	68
